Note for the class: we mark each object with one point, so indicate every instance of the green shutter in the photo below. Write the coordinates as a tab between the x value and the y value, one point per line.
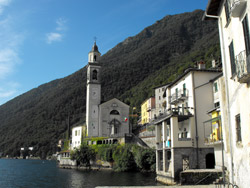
232	58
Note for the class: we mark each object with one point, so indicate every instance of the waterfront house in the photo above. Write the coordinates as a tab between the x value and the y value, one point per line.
233	22
77	136
179	130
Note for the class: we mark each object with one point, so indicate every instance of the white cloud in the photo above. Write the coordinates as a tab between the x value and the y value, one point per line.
4	3
9	57
52	37
8	60
60	31
61	24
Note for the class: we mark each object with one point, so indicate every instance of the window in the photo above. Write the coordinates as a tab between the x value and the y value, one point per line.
114	112
162	89
246	34
94	57
232	58
217	104
94	76
75	133
184	89
159	97
226	5
238	128
215	87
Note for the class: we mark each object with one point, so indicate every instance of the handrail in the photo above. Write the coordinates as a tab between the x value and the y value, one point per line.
203	179
228	184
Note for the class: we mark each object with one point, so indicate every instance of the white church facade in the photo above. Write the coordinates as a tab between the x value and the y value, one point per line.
108	119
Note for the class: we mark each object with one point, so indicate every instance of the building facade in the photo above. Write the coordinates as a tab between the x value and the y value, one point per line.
114	118
159	100
147	110
233	22
213	126
108	119
77	136
179	131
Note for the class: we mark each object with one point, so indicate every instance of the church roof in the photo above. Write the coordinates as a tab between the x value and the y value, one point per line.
114	100
95	48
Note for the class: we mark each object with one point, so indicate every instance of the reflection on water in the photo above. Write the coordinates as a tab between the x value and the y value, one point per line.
40	173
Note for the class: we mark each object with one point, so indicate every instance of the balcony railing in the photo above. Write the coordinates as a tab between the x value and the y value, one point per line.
242	67
213	131
181	95
237	7
184	111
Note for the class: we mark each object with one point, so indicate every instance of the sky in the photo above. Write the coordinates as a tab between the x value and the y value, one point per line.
43	40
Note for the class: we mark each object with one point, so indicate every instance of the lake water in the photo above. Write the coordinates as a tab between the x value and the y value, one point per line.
41	173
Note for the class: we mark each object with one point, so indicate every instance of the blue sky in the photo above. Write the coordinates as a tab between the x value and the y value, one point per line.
43	40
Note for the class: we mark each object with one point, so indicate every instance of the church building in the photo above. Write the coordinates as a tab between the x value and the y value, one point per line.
108	119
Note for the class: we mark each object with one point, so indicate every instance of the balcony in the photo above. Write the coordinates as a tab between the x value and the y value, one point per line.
242	67
181	95
237	7
183	113
213	131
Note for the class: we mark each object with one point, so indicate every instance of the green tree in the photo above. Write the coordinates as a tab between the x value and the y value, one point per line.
83	155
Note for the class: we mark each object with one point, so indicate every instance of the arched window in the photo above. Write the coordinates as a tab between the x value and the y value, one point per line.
114	112
94	57
94	76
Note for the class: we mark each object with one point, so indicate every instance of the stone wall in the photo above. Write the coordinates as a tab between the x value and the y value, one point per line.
191	158
67	162
150	141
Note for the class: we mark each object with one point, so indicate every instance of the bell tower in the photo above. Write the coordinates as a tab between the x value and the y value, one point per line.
93	98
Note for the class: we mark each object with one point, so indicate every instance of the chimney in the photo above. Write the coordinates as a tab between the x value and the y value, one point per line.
201	65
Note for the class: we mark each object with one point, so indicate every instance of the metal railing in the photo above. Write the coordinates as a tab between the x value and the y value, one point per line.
181	111
241	67
236	7
225	185
179	96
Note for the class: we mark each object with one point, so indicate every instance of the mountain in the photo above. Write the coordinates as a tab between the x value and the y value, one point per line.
130	70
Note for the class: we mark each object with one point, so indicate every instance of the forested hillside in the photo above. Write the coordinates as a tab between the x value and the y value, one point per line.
130	70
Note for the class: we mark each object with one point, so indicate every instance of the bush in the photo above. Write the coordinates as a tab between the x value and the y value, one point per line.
84	155
124	159
128	157
145	158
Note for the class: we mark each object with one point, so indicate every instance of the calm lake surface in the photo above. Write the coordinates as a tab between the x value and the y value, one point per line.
20	173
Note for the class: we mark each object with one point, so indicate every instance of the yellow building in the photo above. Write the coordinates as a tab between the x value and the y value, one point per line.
147	110
144	113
